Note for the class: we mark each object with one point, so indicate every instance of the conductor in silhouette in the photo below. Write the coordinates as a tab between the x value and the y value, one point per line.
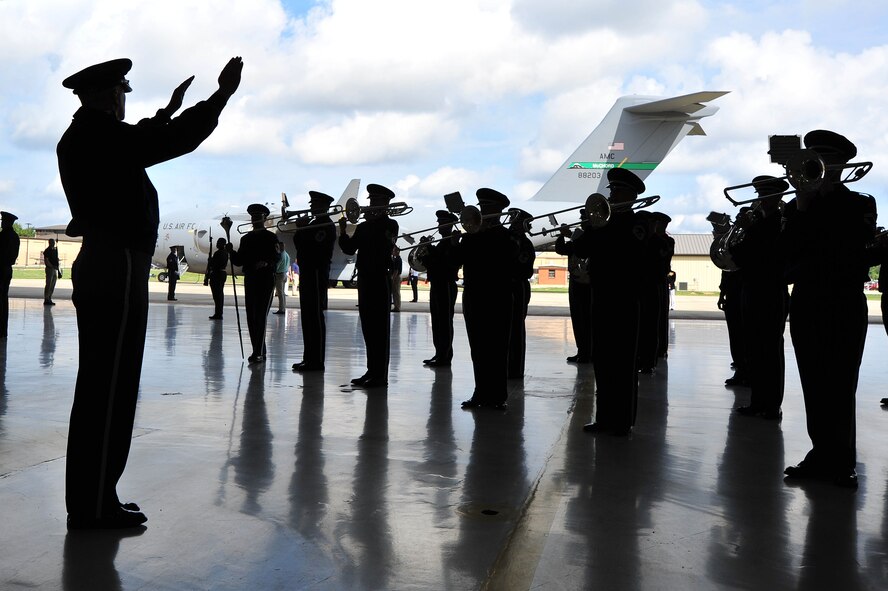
102	163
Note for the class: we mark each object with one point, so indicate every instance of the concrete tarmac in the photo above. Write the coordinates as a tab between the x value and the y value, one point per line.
255	477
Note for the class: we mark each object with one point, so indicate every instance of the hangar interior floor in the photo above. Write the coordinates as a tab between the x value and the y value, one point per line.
265	479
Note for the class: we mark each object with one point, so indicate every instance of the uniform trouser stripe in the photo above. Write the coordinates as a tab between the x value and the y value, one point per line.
115	371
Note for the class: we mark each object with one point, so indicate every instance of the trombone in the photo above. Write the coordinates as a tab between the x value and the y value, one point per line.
552	220
472	221
305	215
806	171
408	238
354	211
598	212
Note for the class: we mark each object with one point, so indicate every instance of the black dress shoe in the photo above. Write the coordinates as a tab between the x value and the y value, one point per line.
754	411
884	402
256	359
303	366
771	415
805	470
573	359
214	317
130	507
374	383
427	361
846	480
116	519
472	404
436	363
360	381
594	428
737	380
279	312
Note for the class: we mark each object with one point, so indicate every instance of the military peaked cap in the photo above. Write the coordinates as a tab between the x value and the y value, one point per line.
257	209
319	198
445	216
769	185
621	177
379	193
100	76
493	198
830	144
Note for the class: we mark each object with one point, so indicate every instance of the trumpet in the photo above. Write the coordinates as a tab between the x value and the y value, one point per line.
354	211
305	215
805	171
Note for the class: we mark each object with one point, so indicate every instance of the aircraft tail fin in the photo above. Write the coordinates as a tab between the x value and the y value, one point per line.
637	133
351	191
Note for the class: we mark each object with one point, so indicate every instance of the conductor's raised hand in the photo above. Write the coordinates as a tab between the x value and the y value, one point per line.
230	77
178	95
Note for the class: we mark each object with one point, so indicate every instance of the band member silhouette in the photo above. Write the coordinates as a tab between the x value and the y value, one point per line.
487	300
373	241
258	256
314	241
828	227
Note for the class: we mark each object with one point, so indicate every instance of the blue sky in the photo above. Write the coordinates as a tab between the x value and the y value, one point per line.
430	97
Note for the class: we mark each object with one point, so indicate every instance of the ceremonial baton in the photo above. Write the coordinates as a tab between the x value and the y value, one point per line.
226	225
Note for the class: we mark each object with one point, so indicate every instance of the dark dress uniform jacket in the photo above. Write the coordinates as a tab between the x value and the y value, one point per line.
218	273
257	246
579	293
373	241
9	249
314	253
443	274
615	253
828	319
102	163
522	271
764	306
487	307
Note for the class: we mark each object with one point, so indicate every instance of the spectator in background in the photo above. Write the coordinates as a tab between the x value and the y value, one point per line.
53	271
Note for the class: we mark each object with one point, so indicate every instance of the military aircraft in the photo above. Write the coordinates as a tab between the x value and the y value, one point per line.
195	238
637	134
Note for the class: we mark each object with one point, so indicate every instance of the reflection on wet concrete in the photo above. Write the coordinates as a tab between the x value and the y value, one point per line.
260	478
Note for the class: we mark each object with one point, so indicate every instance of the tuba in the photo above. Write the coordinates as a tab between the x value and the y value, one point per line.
720	250
414	259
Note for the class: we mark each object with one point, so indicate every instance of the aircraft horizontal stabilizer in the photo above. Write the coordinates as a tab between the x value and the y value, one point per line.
688	103
637	134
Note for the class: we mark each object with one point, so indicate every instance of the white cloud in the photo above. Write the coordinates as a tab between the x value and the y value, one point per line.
372	138
444	95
